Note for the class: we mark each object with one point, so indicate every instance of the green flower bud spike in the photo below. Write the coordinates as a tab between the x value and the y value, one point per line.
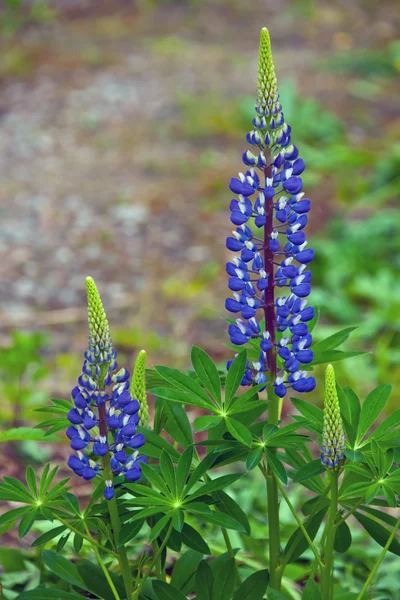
333	435
267	86
100	351
138	388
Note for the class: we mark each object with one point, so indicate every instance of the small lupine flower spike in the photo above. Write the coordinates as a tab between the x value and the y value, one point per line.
138	388
268	196
333	436
104	417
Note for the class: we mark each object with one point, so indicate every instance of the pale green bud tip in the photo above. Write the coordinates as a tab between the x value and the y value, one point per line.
333	435
98	324
267	85
138	387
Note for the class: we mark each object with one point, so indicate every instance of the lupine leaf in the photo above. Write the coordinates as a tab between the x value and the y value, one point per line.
155	479
166	591
177	424
309	470
372	407
207	372
168	472
199	471
18	434
393	420
333	341
212	486
159	442
97	583
204	581
183	398
379	533
41	593
308	410
225	580
254	587
13	515
342	538
254	458
206	422
48	535
331	356
159	526
26	523
129	531
238	431
240	403
297	543
311	591
184	569
235	376
216	518
350	409
227	505
183	469
276	466
185	384
12	489
63	568
192	538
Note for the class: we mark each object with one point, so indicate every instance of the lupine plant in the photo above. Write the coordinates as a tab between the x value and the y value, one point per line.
163	486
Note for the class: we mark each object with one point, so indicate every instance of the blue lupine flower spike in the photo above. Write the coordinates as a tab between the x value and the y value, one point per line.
105	416
269	196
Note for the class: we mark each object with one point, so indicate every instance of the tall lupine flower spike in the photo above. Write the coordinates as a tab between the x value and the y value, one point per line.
105	416
269	196
138	388
333	436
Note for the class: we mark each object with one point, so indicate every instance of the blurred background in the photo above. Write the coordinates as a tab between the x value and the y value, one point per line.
121	124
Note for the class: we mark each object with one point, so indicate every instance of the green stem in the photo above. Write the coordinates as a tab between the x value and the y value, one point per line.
159	572
327	571
300	524
378	562
85	537
116	527
139	588
102	565
351	511
274	414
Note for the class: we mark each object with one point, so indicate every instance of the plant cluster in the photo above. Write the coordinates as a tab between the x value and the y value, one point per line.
158	487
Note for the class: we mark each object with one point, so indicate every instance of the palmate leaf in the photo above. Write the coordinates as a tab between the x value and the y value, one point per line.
207	373
239	431
350	408
227	505
185	384
276	466
177	424
372	407
204	581
168	472
19	434
184	570
193	539
42	593
225	580
297	543
212	486
63	568
379	533
254	587
166	591
183	398
307	471
206	422
235	376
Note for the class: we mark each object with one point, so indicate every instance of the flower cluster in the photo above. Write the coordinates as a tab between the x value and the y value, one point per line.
105	416
333	436
269	195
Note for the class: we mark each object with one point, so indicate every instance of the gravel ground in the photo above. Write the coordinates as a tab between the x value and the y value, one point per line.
99	176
